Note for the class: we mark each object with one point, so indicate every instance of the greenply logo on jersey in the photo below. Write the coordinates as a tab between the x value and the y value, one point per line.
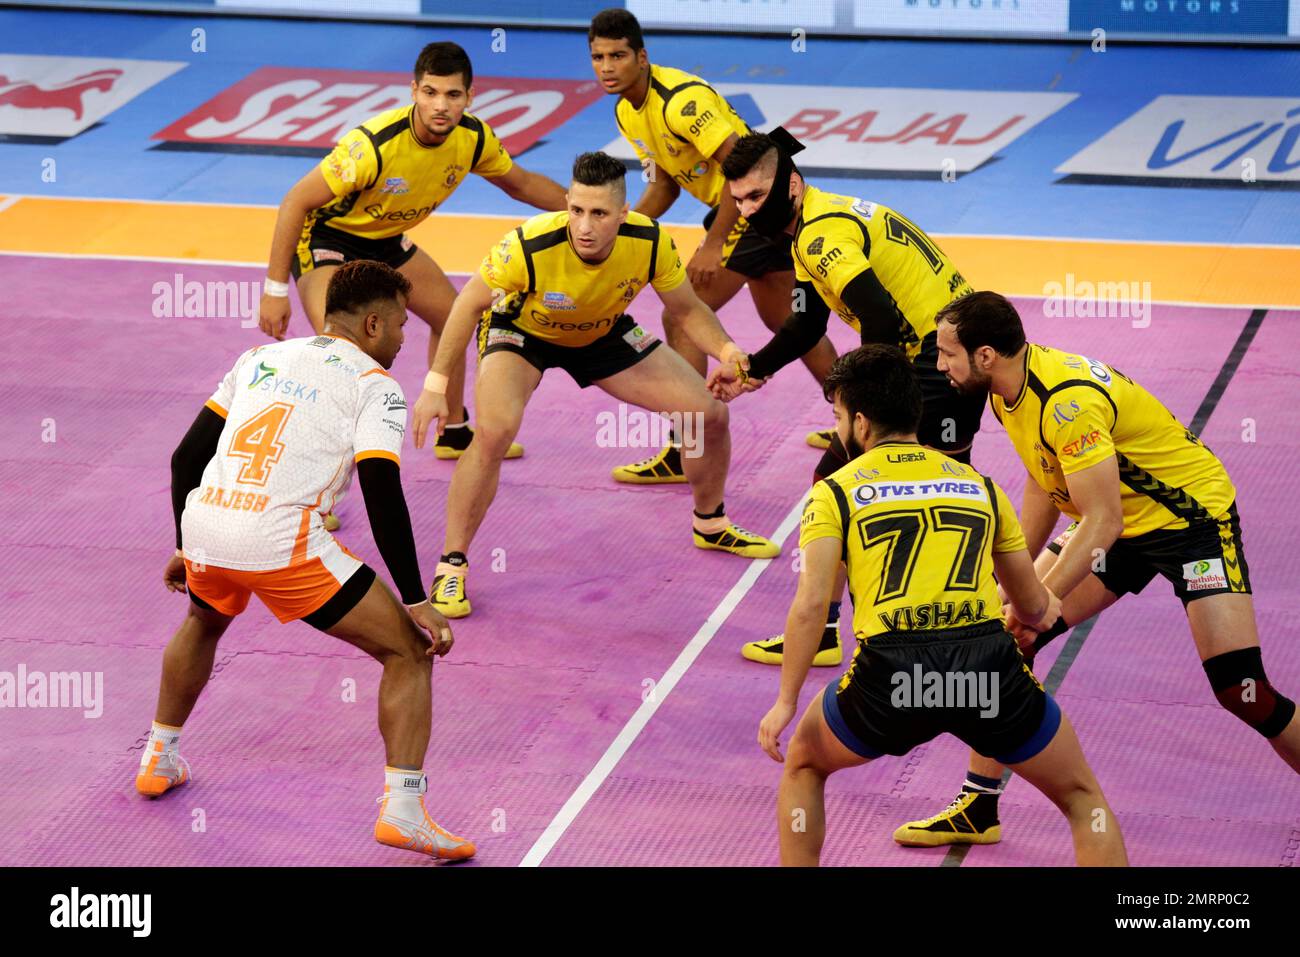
261	374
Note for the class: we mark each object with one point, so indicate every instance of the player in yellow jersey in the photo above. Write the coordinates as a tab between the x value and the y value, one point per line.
922	535
682	130
555	293
1142	490
381	180
873	267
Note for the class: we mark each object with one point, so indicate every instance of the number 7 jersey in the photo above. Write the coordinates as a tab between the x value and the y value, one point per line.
299	415
918	531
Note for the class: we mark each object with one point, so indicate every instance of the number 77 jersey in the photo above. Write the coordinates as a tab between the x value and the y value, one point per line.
299	415
918	531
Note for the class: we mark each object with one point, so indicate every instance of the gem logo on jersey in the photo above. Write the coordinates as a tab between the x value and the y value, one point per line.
62	96
1234	139
1205	575
306	110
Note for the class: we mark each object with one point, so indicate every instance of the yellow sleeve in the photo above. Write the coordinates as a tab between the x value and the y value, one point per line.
1077	423
1010	537
698	114
821	516
494	161
668	274
504	267
351	165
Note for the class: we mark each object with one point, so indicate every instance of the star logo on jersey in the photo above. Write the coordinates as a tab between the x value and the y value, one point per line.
815	247
261	374
689	109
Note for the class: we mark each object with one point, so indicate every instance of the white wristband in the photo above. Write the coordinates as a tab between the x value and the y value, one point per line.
272	288
435	382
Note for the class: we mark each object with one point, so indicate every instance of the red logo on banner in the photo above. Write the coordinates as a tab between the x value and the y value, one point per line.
312	109
66	95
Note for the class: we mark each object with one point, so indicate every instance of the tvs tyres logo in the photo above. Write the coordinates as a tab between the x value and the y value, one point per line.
306	111
49	97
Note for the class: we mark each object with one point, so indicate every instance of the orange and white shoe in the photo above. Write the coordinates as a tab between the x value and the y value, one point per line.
424	836
160	771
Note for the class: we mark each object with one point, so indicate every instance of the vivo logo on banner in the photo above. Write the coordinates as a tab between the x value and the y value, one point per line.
1241	138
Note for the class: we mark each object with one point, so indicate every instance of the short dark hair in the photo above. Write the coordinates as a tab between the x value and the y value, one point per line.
617	24
444	59
600	169
748	152
361	282
985	319
878	381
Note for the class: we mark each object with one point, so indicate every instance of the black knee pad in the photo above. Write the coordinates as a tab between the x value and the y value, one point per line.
1238	680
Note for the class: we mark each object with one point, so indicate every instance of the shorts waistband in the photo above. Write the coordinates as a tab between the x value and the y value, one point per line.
893	639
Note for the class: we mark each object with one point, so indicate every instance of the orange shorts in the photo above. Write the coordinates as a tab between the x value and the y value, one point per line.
290	593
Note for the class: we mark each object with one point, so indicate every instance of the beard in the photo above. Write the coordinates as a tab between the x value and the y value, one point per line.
853	447
979	383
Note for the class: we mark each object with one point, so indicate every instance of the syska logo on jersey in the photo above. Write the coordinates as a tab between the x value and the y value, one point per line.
848	129
266	379
61	96
1240	139
312	108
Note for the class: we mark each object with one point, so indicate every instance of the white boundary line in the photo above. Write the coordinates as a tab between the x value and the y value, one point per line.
636	724
1285	307
11	198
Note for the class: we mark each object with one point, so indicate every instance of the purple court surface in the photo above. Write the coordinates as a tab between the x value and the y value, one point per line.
585	595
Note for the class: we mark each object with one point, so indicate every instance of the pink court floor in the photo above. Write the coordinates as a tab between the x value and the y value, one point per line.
595	710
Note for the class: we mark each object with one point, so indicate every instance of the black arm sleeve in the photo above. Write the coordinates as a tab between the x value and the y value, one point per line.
797	335
877	314
390	523
191	458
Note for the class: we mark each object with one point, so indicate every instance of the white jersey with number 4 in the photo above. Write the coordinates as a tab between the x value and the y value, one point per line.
299	415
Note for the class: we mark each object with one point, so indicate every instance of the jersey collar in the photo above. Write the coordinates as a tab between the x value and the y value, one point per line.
1024	386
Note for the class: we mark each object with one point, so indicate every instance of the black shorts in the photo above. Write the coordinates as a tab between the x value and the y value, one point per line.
907	688
622	347
752	255
949	419
1205	558
321	246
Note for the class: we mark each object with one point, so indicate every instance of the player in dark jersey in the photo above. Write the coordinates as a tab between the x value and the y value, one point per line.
1143	492
922	536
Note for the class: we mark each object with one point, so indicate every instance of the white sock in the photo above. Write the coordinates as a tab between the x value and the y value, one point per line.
405	793
168	735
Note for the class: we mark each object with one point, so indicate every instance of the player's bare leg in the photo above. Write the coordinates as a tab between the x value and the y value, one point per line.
312	286
505	383
1225	625
664	382
666	466
1062	773
381	628
187	666
431	297
814	755
972	817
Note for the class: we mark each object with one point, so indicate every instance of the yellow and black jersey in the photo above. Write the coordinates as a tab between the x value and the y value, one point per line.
839	238
680	124
385	180
550	292
1073	412
918	532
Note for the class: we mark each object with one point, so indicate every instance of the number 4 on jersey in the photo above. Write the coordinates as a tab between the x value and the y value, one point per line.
258	441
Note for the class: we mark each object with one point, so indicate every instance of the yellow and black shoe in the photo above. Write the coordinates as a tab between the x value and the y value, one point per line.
663	469
738	541
455	439
771	651
820	440
970	819
448	594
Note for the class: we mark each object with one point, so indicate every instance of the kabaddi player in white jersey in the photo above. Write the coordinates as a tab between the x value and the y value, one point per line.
270	453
